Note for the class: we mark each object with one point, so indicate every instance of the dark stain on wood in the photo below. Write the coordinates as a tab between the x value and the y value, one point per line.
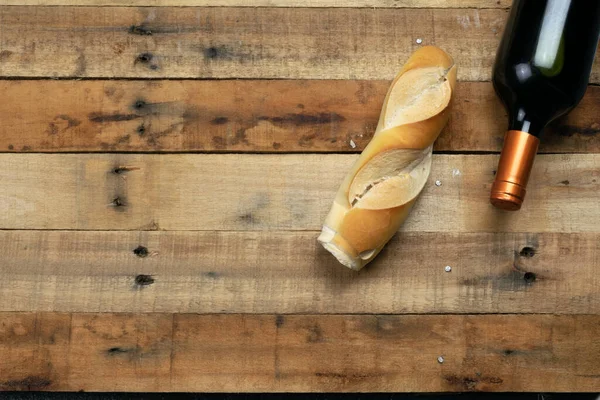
276	145
315	334
279	321
222	143
124	139
26	148
142	280
211	274
116	117
117	350
141	251
139	30
119	203
240	137
565	182
5	55
11	147
260	201
71	122
30	383
80	63
59	123
365	92
306	140
511	281
220	121
222	53
123	169
52	129
247	218
219	142
514	353
469	382
571	130
304	119
345	376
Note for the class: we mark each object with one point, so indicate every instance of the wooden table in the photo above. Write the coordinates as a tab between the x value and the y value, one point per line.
165	171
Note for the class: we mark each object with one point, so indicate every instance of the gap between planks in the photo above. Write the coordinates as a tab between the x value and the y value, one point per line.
250	116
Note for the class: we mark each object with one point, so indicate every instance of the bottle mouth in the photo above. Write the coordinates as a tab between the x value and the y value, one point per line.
507	195
509	188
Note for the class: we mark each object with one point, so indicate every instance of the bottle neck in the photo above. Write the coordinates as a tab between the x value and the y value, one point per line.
521	120
514	167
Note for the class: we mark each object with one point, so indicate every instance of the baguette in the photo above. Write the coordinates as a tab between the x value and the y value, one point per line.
383	184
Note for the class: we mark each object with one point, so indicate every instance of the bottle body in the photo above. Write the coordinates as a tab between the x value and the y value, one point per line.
541	72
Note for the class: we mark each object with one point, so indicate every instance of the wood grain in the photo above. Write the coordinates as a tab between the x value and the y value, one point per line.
271	3
229	42
250	116
300	353
288	272
249	192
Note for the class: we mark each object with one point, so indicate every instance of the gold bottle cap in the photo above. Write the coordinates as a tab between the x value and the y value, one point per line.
516	160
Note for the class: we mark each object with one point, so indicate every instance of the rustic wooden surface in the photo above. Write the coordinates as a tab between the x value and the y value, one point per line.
237	42
250	116
127	269
190	352
287	272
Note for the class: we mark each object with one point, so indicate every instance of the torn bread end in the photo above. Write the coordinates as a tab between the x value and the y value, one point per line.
326	239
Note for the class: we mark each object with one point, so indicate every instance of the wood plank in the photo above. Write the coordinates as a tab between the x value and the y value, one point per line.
250	192
271	3
249	116
288	272
225	42
299	353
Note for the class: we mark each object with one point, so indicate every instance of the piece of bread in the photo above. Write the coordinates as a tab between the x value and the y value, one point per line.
378	192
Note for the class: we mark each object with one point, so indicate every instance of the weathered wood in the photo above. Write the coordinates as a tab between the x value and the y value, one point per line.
249	116
225	42
339	353
272	3
288	272
249	192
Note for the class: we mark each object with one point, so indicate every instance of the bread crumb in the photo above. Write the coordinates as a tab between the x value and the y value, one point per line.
352	144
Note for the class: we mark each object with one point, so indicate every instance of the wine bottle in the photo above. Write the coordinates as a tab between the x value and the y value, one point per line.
541	72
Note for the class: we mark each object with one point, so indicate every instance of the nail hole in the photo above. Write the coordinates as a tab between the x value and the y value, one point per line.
139	104
141	251
211	52
144	57
527	252
144	280
117	202
141	130
529	277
